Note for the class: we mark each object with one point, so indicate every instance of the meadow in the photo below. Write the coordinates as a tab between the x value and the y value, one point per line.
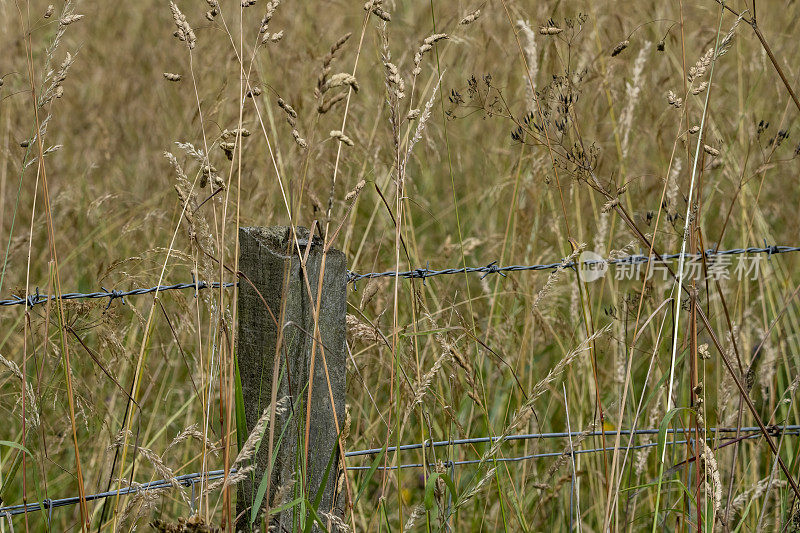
137	137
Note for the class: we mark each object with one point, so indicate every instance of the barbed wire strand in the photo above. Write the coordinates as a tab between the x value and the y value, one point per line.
48	504
448	464
36	298
417	273
189	479
532	436
493	268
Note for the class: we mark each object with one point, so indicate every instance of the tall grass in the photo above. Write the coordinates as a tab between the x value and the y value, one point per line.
405	134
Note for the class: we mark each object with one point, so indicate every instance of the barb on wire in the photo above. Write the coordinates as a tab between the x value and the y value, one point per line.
418	273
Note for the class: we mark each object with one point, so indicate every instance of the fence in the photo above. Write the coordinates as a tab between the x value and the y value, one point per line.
418	273
189	480
281	281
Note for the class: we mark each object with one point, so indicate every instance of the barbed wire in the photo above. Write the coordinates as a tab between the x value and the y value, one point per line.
774	430
448	464
36	298
189	480
493	268
186	480
418	273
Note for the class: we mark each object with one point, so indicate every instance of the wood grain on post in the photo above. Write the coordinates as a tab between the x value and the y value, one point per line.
269	260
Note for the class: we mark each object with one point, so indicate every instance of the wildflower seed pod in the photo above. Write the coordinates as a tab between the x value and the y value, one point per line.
710	150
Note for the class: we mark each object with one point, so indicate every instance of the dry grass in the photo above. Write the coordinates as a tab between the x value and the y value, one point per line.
411	134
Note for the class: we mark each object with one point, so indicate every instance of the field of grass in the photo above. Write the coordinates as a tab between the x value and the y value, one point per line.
408	134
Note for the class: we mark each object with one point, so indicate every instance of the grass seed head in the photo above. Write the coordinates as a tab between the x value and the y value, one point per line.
622	45
340	79
699	69
299	140
69	19
326	105
352	195
337	134
673	100
227	134
700	88
184	32
550	30
374	6
470	18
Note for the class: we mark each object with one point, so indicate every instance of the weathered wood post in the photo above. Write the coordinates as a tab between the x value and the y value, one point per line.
269	259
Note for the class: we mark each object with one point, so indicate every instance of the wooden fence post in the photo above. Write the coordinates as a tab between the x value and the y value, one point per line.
273	276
